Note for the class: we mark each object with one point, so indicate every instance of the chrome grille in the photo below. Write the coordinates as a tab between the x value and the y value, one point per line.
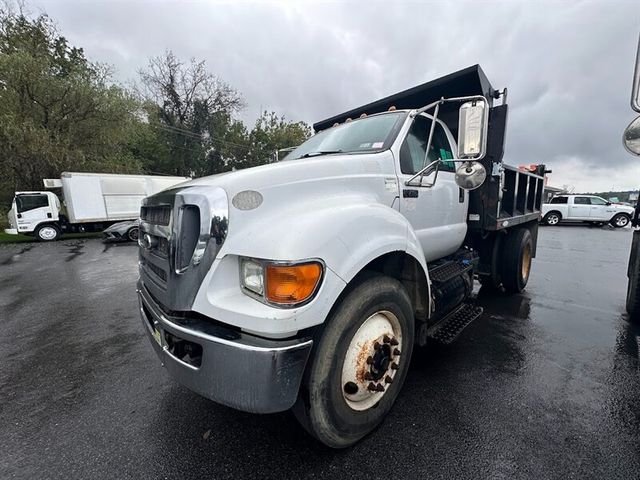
158	215
181	232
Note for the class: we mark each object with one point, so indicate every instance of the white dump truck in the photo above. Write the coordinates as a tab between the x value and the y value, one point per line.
306	283
90	203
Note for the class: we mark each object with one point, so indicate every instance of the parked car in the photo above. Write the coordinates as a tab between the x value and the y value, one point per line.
127	231
585	208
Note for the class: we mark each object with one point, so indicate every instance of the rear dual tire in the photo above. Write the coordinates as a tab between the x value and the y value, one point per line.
339	413
517	256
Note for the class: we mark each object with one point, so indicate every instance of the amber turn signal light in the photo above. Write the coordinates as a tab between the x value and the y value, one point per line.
292	284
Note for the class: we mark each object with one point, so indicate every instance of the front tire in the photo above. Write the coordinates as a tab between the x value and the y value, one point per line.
621	220
359	364
47	233
517	257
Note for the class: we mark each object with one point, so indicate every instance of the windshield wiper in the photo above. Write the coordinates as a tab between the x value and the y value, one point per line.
319	153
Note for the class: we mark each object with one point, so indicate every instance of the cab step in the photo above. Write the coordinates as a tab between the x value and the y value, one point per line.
450	327
446	271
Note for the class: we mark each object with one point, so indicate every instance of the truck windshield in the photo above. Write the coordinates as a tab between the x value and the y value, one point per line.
367	134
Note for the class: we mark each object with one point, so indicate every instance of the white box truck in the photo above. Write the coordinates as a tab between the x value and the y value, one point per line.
90	203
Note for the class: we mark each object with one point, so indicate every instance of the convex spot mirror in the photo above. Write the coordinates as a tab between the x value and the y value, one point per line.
631	137
470	175
473	122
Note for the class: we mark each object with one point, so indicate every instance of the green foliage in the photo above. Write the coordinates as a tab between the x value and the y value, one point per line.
192	112
57	109
61	112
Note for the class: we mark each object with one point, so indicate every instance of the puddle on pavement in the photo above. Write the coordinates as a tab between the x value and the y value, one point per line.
75	250
16	256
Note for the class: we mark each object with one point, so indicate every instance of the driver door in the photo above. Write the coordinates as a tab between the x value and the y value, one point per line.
437	213
32	208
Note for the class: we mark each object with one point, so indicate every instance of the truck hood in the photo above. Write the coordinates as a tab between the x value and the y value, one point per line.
310	170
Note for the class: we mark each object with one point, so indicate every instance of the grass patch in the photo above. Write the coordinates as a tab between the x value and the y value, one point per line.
6	238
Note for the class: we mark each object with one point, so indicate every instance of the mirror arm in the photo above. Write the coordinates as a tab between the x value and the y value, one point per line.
421	173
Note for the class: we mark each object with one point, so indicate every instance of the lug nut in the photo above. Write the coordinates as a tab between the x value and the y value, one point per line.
394	366
388	379
367	376
386	339
369	360
379	388
372	387
394	342
376	346
396	352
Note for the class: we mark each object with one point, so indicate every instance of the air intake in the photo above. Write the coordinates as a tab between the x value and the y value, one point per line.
187	236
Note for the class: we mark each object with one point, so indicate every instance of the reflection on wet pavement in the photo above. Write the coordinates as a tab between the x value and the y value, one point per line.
543	385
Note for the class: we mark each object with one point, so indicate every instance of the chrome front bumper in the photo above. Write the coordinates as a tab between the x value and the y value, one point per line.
242	371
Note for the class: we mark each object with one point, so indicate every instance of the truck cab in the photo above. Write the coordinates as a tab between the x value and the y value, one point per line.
306	283
32	211
586	208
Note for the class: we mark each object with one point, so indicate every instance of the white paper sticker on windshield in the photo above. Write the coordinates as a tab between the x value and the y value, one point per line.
365	145
377	145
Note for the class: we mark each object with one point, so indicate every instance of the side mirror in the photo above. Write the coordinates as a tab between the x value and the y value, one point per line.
608	204
473	123
631	137
470	175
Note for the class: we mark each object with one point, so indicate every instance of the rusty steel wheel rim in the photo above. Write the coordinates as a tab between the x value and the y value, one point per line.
526	262
372	360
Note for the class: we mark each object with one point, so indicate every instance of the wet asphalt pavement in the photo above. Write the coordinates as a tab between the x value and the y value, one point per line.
544	385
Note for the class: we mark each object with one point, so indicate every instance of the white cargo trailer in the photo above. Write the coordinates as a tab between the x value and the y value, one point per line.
91	202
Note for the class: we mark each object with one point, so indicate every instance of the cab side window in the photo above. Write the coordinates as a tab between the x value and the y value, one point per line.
581	201
412	151
559	200
31	202
598	201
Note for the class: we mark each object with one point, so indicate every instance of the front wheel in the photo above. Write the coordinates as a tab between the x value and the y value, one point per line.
359	364
47	233
620	220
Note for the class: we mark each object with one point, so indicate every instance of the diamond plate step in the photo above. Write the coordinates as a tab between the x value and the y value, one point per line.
444	273
450	327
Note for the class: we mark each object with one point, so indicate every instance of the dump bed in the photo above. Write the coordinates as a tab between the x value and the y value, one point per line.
509	196
99	197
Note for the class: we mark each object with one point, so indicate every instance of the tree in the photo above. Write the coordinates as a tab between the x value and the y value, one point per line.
190	110
271	133
58	110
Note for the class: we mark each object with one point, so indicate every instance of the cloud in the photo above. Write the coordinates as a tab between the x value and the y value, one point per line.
568	65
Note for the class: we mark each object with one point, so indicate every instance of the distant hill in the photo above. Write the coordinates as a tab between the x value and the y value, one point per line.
621	196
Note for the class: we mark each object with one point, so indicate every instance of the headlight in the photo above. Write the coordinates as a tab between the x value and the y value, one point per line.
281	283
252	276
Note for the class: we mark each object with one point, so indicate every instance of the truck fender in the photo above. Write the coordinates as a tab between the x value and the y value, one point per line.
347	235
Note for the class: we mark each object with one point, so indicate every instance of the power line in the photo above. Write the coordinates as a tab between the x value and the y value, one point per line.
199	136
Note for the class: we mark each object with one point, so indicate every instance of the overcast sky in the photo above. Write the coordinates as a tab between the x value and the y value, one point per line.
568	65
